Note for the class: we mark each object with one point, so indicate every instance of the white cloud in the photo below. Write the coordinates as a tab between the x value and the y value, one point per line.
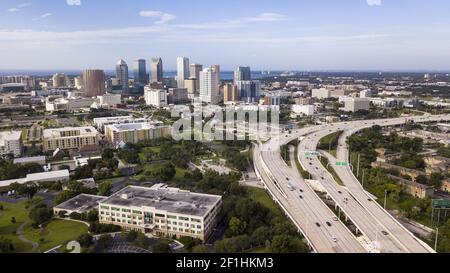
228	24
45	15
23	5
374	2
162	16
73	2
266	17
19	7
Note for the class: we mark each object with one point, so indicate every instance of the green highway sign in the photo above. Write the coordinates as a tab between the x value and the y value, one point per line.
343	164
313	153
441	204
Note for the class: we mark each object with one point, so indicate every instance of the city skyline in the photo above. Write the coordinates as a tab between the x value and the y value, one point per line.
296	35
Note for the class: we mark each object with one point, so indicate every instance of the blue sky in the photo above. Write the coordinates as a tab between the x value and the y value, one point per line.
265	34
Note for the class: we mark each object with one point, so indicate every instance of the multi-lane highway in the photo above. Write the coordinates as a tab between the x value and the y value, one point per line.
315	220
380	230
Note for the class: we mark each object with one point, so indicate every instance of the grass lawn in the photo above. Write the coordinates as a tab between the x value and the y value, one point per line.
8	229
56	232
179	175
259	195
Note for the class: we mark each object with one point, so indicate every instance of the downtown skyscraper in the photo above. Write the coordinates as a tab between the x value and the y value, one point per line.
194	71
156	70
94	82
242	73
209	87
182	71
122	75
140	72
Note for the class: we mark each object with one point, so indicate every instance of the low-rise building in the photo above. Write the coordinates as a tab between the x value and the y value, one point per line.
73	104
69	138
110	99
100	123
401	170
11	143
54	176
306	110
321	93
82	203
415	189
135	132
41	160
162	211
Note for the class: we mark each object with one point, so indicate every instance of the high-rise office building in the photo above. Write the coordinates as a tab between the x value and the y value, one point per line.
216	69
94	82
242	73
209	88
191	85
249	91
194	71
140	72
230	93
78	82
122	75
156	70
182	71
60	80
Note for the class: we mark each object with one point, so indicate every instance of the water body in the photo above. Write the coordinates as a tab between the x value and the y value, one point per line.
225	75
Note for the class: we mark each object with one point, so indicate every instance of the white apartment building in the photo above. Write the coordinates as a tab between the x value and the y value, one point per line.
69	138
307	110
162	211
11	143
356	104
209	87
110	99
365	93
155	97
135	132
321	93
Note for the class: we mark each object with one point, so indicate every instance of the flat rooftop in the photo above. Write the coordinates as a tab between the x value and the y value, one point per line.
163	198
133	126
60	132
82	203
10	135
25	160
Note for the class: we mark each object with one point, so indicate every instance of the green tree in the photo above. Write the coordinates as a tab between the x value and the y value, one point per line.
236	226
200	249
161	247
40	215
287	244
131	235
85	240
104	188
6	245
260	235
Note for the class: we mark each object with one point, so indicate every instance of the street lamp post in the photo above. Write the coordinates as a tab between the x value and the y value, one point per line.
436	240
385	197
